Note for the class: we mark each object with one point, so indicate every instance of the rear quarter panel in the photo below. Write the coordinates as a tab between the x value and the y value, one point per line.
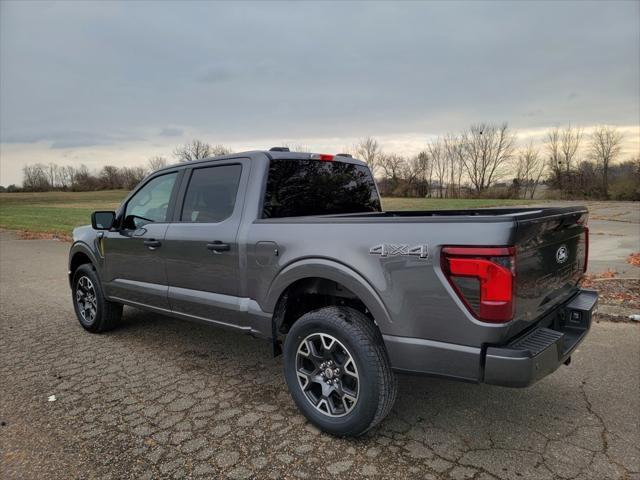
416	297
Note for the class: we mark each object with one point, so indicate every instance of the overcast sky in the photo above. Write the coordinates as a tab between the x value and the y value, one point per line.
88	82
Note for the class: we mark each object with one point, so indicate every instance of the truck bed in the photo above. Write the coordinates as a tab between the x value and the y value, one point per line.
474	215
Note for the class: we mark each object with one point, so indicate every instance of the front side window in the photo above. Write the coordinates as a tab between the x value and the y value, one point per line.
211	194
151	202
312	187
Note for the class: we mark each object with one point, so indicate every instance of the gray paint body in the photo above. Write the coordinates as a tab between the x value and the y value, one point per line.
426	327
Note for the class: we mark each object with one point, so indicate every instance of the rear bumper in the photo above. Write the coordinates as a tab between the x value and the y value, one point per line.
522	361
539	352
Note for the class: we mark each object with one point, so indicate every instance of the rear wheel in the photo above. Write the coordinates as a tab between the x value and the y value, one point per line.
95	313
338	372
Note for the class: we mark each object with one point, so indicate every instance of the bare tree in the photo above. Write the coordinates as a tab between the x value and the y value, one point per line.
415	175
84	181
369	150
195	150
562	147
428	171
51	171
439	161
487	150
36	178
131	176
529	170
554	150
156	163
605	147
571	139
453	150
67	177
110	177
392	167
219	149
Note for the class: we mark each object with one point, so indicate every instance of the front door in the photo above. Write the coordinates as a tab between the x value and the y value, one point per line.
202	255
134	266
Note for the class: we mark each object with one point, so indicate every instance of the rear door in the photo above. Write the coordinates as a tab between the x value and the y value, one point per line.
202	253
134	253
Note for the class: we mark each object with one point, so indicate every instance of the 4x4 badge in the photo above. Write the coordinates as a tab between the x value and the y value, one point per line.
390	249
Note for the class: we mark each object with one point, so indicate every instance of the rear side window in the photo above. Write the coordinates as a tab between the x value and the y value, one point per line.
312	187
211	194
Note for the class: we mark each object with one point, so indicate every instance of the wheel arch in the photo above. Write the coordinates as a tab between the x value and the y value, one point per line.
81	254
317	276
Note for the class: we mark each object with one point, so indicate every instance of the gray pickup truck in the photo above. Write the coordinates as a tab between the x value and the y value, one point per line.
295	248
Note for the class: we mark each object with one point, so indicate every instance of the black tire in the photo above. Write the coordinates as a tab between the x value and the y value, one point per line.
100	315
359	337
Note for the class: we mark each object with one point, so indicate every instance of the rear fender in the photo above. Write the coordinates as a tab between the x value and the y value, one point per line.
334	271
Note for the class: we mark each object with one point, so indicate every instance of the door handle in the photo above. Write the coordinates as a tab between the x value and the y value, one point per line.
152	244
218	246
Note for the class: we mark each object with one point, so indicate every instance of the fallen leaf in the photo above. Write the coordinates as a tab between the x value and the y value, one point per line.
634	259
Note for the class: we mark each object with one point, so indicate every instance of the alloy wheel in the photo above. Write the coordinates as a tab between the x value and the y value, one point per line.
86	299
327	374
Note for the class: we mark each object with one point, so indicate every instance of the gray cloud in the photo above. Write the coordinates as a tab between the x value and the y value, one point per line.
21	137
533	113
171	132
216	75
72	139
237	71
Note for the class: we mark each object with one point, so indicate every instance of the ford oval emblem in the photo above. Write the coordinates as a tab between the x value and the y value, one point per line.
562	254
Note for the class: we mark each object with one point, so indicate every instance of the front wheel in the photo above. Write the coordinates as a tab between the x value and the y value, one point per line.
95	313
338	372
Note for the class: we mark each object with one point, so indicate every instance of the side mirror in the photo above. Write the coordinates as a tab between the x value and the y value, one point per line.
102	220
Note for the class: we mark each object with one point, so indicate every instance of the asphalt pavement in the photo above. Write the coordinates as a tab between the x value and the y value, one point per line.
161	398
614	229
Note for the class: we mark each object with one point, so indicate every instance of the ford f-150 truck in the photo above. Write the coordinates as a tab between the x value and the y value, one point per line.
296	249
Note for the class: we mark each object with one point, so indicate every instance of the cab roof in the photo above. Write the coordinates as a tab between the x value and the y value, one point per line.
271	155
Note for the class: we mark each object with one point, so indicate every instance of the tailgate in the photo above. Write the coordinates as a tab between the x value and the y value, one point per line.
551	253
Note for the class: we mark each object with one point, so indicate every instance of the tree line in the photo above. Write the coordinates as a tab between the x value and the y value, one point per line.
482	161
40	177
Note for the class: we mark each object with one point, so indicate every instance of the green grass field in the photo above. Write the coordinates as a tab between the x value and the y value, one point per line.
54	213
57	213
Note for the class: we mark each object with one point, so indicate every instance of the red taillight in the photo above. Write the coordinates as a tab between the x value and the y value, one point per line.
484	278
586	248
323	157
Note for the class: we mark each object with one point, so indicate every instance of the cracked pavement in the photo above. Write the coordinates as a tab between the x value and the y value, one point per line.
161	398
613	235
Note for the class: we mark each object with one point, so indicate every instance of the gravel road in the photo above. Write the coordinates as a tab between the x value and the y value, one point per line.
159	398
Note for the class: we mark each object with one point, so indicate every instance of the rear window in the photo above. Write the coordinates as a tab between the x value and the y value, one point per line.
298	188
